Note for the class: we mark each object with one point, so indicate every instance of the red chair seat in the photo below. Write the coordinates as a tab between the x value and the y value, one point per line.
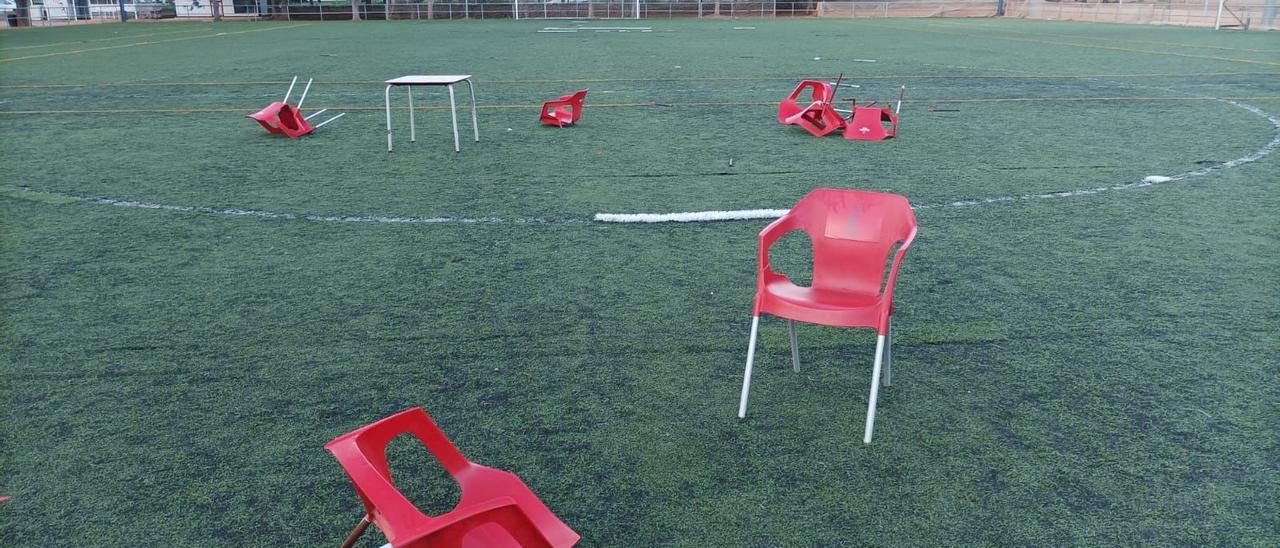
820	306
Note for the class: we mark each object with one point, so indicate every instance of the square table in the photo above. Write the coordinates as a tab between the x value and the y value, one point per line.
447	80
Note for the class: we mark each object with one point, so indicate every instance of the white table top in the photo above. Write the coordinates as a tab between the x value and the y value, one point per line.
428	80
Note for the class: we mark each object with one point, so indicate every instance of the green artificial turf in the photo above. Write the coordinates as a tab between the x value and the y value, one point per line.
1096	369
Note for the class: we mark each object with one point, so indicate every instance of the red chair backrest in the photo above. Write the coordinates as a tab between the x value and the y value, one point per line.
283	118
852	232
496	508
818	91
269	117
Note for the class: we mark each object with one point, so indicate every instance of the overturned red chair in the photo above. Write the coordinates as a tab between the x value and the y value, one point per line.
496	508
852	232
868	124
819	119
280	117
563	111
818	91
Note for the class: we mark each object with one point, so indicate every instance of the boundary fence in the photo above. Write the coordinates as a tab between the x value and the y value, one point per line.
1261	14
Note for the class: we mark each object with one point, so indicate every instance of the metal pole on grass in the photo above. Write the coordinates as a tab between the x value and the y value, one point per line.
1217	22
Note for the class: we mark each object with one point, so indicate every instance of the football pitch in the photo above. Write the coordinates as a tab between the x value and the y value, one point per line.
1086	328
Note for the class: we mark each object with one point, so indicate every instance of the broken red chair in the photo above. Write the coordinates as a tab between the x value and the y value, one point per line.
869	124
852	233
280	117
496	508
818	91
819	118
563	111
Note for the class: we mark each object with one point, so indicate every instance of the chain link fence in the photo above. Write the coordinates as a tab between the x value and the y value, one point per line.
1258	14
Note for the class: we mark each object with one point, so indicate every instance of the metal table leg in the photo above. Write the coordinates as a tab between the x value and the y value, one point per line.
475	126
413	128
453	113
387	96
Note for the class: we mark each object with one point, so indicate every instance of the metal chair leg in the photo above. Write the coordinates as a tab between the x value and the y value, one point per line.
888	356
795	346
356	533
875	390
746	376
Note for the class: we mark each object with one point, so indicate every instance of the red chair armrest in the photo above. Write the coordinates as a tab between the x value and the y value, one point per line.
897	262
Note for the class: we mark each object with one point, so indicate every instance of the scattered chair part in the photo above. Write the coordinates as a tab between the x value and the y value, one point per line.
563	111
852	232
818	91
281	117
496	509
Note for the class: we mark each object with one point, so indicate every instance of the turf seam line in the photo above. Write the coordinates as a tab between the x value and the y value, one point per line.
664	217
1151	180
39	85
147	43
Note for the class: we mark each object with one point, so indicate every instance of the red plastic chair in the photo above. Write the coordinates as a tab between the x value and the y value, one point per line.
819	119
496	509
818	91
563	111
867	124
282	118
852	232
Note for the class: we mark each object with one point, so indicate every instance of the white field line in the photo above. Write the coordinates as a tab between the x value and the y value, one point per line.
1149	180
262	214
695	216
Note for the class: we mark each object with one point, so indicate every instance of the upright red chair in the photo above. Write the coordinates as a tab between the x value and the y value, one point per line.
496	509
563	111
852	232
868	124
818	91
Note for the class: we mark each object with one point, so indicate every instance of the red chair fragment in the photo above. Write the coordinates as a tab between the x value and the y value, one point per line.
496	509
868	124
852	232
819	118
818	91
563	111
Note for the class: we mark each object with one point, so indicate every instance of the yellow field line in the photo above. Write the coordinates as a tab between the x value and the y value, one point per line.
130	37
691	79
1091	46
649	104
147	43
1157	43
